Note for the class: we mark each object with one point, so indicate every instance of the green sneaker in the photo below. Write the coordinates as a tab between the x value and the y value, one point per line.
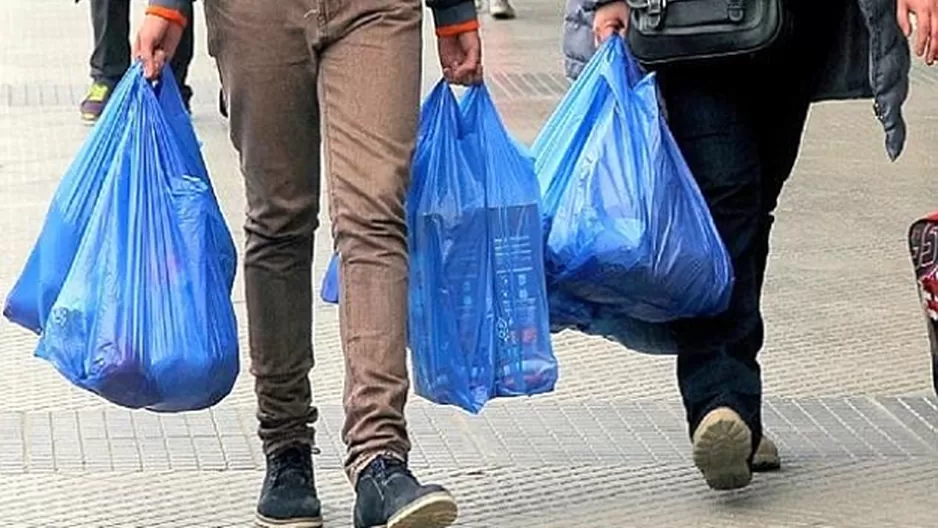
93	105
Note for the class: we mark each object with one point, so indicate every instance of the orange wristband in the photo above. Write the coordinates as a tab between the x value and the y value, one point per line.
169	14
457	29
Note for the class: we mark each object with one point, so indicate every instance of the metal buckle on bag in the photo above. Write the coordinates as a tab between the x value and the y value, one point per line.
655	11
736	10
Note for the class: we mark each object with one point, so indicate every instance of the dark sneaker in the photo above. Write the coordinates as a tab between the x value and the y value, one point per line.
923	247
93	105
722	445
766	457
288	498
390	497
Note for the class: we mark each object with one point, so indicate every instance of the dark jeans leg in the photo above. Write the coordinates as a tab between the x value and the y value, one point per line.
779	133
110	20
741	151
715	129
183	58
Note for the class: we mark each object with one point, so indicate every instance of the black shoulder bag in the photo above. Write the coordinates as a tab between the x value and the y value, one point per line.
667	31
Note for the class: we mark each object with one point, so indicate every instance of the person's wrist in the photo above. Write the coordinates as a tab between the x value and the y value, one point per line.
167	14
454	30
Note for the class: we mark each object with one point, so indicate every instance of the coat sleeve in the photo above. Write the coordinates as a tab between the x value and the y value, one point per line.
453	17
178	11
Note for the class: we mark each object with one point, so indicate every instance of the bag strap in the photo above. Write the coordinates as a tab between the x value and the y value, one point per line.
654	10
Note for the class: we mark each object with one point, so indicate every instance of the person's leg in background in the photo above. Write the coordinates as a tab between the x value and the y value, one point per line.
110	20
181	61
111	58
269	74
370	98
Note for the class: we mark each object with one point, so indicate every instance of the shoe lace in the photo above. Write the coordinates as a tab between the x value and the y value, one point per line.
292	466
386	467
98	92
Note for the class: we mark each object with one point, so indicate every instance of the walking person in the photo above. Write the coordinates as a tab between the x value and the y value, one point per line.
739	122
110	57
346	72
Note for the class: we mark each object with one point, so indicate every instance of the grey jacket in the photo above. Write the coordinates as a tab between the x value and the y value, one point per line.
871	60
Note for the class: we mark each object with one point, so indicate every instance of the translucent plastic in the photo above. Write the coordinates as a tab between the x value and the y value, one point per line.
329	293
630	238
136	306
524	359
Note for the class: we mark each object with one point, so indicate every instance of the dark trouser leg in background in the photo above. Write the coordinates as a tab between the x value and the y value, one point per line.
110	58
111	55
182	59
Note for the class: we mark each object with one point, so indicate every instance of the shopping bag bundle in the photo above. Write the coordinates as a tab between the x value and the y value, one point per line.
478	323
630	241
129	283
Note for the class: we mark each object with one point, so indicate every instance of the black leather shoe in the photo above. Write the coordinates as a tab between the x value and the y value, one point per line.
390	497
288	498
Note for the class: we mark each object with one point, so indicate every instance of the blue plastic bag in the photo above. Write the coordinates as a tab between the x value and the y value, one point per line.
630	238
329	293
523	355
451	321
141	314
38	286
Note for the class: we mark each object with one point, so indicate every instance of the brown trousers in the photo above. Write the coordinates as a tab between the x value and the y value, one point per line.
296	72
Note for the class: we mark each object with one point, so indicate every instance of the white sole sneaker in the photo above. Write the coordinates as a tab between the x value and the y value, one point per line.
722	444
264	522
436	510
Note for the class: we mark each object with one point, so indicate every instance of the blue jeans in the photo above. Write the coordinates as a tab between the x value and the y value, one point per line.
739	124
